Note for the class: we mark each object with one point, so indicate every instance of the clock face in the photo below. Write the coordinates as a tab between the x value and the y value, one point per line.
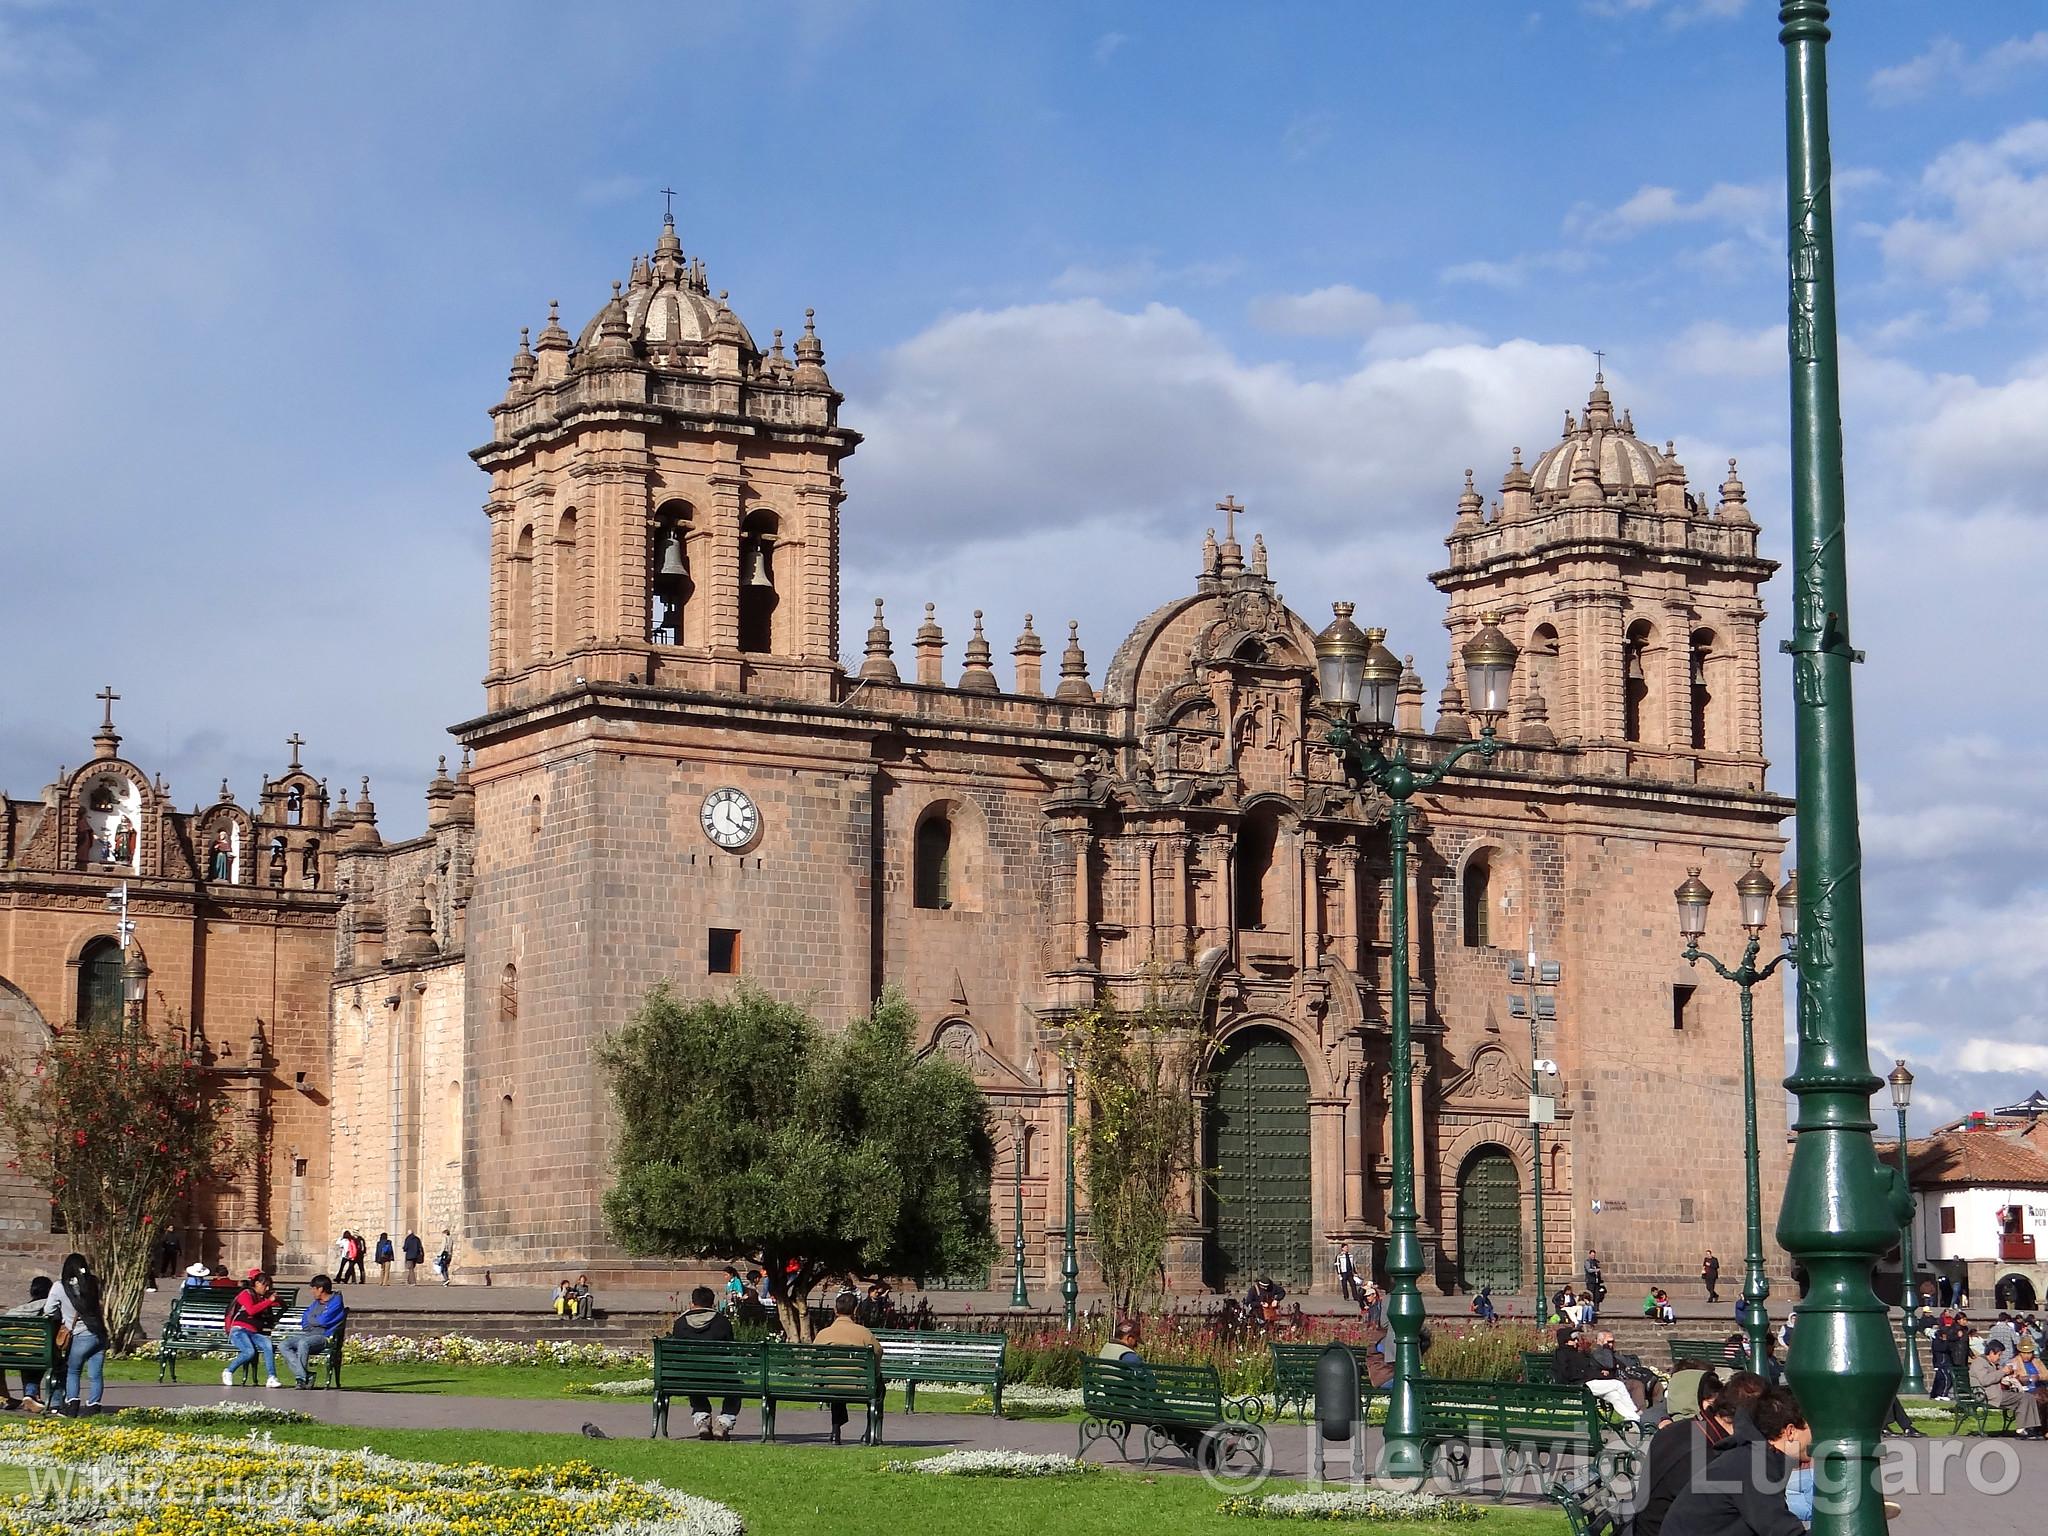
729	818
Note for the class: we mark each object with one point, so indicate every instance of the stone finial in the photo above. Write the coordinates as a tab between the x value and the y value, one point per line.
1536	731
879	664
418	943
1450	705
1586	489
1408	698
1471	509
810	356
931	651
1668	493
977	675
1230	553
552	337
1734	499
614	337
524	366
226	795
1073	686
551	347
1025	658
440	795
363	831
1259	555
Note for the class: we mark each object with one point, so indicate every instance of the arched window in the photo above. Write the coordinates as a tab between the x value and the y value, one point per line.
294	805
1639	683
1540	657
533	818
1476	900
508	993
99	983
932	877
1699	658
669	583
758	596
1256	841
571	600
519	602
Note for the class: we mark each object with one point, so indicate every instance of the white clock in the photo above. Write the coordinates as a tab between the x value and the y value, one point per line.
729	818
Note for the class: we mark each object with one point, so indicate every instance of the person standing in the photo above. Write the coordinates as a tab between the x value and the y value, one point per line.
384	1257
341	1246
318	1324
847	1334
1710	1276
415	1255
1347	1272
444	1261
85	1360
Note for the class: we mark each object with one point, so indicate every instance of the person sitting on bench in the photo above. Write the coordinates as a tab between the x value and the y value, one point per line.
704	1323
322	1318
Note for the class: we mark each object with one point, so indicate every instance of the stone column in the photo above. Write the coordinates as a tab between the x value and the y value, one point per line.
1326	1185
818	500
1311	887
719	587
1147	927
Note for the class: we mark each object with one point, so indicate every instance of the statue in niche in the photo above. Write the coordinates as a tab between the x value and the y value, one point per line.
221	866
124	841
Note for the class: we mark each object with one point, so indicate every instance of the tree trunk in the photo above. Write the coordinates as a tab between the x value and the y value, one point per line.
121	1259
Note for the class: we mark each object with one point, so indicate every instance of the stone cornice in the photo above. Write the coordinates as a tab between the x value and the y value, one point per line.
583	417
1603	549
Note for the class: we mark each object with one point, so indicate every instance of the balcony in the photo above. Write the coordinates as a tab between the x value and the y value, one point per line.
2016	1247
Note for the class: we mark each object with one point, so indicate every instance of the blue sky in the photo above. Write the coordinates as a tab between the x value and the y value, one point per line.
1081	269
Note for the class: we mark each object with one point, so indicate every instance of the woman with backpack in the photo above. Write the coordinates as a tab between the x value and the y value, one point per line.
384	1258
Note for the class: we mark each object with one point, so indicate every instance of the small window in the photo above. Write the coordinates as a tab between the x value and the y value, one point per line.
725	952
933	878
1684	1007
1685	1208
533	815
298	1167
508	993
1477	895
1948	1219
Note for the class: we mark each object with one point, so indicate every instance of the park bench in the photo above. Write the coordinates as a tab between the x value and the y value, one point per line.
1294	1378
29	1344
330	1351
942	1357
1594	1503
1533	1425
198	1322
1968	1403
1179	1405
1709	1352
773	1373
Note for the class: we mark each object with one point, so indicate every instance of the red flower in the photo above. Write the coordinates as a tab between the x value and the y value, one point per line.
78	1138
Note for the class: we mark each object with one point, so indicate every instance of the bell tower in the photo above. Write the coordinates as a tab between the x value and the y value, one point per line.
1636	604
664	500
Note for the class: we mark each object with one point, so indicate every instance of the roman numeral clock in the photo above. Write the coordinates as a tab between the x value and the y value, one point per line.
730	819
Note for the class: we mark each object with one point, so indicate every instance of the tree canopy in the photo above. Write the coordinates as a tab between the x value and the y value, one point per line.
746	1131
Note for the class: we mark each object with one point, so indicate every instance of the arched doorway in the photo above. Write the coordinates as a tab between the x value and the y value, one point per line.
1490	1221
1261	1216
2014	1292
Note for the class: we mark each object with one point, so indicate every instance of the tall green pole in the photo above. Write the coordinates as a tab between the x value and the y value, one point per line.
1405	1456
1913	1381
1020	1298
1536	1140
1070	1263
1756	1285
1842	1208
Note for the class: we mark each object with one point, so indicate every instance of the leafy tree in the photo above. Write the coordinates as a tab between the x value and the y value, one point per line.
1138	1071
121	1128
747	1132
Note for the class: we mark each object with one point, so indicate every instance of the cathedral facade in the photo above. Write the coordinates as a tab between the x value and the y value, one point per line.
675	777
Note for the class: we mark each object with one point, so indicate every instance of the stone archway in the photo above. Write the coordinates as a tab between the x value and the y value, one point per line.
1261	1217
1490	1220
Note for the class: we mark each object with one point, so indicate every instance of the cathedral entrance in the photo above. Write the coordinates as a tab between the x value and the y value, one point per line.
1260	1215
1489	1221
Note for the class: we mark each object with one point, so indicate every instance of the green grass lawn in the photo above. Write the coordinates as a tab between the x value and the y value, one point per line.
787	1490
461	1380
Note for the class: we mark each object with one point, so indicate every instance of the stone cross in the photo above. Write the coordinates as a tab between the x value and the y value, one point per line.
669	208
1229	507
294	741
107	696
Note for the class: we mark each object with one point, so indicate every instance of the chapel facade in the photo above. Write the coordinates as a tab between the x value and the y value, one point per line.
674	777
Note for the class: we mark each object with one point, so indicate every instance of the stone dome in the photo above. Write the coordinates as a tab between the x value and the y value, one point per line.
1626	465
669	303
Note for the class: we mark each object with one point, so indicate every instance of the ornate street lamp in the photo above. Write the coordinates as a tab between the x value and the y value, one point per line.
1359	677
1753	893
1020	1299
1902	1098
135	988
1070	1262
1842	1207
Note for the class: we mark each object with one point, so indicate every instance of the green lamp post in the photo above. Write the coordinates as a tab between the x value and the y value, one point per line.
1359	677
1753	893
1843	1208
1901	1082
1020	1298
1070	1261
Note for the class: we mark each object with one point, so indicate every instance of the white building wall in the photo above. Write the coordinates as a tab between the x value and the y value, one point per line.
1975	1239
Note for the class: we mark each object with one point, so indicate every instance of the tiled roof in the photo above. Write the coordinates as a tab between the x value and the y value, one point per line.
1957	1158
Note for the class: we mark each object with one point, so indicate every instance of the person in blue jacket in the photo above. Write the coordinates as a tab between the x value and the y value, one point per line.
318	1324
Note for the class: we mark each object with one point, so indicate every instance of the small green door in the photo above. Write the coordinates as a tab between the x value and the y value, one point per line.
1490	1221
1261	1219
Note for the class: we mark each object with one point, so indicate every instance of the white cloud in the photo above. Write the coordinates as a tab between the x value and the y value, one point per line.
1141	273
1676	13
1947	63
1989	212
1746	208
1979	1054
1713	349
1335	310
1514	272
1106	47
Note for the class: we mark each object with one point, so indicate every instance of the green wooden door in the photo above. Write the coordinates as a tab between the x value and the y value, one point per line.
1490	1221
1260	1214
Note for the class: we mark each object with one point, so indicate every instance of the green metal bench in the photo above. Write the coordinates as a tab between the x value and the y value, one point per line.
942	1356
30	1344
822	1373
1539	1367
197	1325
1709	1352
1178	1405
329	1350
1593	1503
1969	1404
715	1368
1294	1378
1533	1425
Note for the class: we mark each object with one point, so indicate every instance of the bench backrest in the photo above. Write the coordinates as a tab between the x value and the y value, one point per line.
1711	1352
1176	1393
1506	1410
32	1339
793	1369
687	1363
1294	1367
1539	1367
932	1352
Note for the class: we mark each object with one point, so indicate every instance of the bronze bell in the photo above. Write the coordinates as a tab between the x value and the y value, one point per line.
673	566
754	571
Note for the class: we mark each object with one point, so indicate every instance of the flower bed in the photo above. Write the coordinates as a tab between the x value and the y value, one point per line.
1359	1504
461	1349
94	1479
638	1386
991	1464
216	1414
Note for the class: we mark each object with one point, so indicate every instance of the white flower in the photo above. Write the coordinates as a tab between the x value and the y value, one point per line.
990	1464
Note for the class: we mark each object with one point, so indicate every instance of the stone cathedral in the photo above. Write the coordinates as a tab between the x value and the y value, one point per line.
673	774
